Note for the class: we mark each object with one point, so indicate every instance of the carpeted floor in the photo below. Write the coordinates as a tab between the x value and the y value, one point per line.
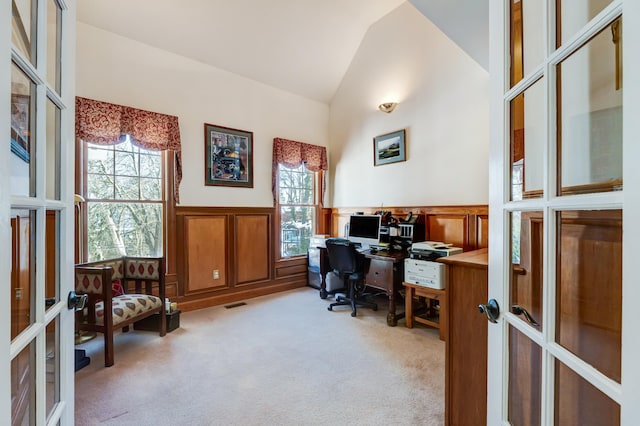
278	360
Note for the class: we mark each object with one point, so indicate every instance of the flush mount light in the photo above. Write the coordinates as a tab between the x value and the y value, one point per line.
387	106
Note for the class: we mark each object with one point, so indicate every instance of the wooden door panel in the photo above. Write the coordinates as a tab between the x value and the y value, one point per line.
206	252
252	248
482	231
589	287
451	229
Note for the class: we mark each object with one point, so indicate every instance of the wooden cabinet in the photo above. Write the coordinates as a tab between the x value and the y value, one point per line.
466	339
380	274
385	271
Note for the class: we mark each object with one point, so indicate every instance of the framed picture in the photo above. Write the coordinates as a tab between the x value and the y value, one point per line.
20	125
228	156
389	148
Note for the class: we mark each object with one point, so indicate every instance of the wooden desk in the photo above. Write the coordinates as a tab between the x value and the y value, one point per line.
431	294
385	271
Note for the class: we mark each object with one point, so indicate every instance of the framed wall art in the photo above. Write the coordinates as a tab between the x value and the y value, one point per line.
228	156
389	148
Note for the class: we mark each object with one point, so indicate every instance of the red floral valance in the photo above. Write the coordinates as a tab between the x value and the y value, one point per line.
293	154
104	123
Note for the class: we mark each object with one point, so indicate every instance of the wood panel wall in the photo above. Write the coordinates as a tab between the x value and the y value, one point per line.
241	244
462	226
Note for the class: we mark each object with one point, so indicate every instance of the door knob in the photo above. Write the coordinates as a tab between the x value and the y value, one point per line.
76	301
491	310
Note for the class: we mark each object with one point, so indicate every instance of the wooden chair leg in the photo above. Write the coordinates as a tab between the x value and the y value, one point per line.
108	349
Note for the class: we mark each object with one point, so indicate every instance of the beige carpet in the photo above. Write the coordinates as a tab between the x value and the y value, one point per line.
279	360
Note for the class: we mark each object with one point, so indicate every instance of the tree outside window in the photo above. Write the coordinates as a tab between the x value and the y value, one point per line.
297	202
125	201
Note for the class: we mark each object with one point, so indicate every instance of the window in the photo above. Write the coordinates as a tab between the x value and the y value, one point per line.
125	201
297	205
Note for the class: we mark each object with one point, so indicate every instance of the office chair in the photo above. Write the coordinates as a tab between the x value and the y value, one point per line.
349	265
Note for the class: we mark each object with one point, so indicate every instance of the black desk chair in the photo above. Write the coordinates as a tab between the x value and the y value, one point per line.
345	260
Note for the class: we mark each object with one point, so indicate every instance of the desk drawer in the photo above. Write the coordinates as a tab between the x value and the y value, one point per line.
380	274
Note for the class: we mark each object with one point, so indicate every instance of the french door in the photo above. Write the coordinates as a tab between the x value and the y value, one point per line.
564	209
36	211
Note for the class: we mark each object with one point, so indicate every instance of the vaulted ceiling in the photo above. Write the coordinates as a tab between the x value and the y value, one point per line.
301	46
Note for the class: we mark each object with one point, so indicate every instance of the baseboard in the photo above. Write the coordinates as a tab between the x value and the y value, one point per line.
223	299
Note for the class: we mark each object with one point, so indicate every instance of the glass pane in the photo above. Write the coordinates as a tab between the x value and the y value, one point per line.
116	229
22	128
53	151
52	366
150	165
100	186
23	390
296	185
54	27
126	163
578	402
99	160
127	188
126	145
527	41
23	27
527	243
296	227
52	249
23	223
527	142
525	383
590	117
575	14
150	189
589	287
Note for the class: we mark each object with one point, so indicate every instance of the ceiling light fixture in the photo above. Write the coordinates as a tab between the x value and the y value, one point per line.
387	106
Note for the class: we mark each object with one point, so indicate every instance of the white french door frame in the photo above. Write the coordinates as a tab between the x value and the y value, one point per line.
63	411
627	393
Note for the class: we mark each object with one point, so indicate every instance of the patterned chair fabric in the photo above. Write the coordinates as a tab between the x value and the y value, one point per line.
105	312
127	306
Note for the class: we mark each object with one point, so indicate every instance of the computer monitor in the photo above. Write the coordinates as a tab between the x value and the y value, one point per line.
364	229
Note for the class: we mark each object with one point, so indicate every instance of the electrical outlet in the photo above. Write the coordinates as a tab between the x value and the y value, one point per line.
18	293
216	274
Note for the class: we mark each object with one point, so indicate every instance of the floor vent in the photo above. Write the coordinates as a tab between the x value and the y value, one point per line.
235	305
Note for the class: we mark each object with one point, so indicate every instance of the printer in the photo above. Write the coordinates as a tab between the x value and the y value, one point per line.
431	250
421	269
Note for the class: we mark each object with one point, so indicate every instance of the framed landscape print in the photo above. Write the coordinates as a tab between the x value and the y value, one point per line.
389	148
228	156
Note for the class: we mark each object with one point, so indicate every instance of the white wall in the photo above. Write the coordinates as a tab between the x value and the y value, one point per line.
444	105
122	71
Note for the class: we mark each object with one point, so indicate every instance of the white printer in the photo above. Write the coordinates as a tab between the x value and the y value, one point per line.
431	250
420	268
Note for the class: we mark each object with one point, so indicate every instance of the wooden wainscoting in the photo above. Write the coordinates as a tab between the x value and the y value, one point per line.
237	242
240	243
462	226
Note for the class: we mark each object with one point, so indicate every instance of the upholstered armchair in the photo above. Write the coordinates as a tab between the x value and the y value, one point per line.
105	311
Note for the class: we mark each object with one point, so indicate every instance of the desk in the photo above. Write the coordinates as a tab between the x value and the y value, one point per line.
430	294
383	270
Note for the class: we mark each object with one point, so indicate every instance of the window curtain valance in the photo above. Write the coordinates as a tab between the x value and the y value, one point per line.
293	154
104	123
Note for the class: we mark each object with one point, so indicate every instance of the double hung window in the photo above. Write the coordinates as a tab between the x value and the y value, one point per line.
298	204
125	201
